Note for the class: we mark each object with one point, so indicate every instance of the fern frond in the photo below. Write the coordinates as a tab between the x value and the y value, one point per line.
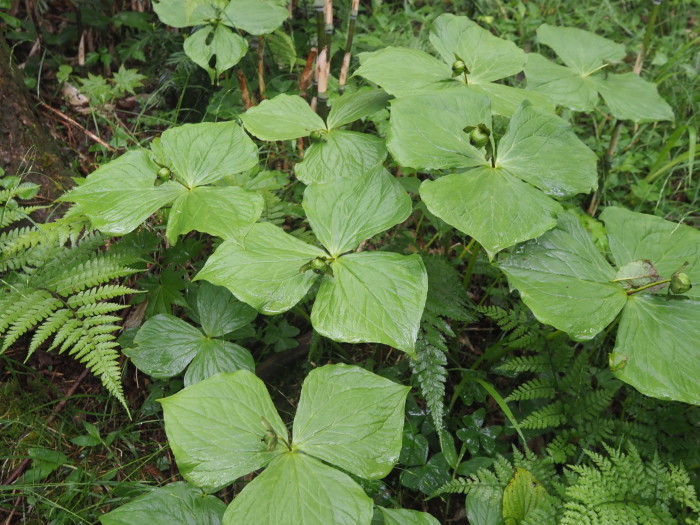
538	388
48	328
33	314
100	293
429	369
549	416
537	363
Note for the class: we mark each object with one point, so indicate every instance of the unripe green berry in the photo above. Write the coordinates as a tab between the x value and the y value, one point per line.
318	265
478	138
458	67
164	173
680	283
316	135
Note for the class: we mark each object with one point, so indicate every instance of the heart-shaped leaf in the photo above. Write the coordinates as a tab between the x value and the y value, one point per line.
219	43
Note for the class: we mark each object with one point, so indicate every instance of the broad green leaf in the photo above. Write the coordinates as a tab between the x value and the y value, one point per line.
401	71
283	50
581	50
523	495
297	489
637	236
201	154
165	345
219	43
345	212
486	56
353	106
427	130
484	504
630	97
340	154
656	350
225	211
219	312
184	13
563	85
351	418
214	356
263	271
565	281
256	17
373	297
505	100
120	195
284	117
407	517
542	149
177	502
491	205
215	428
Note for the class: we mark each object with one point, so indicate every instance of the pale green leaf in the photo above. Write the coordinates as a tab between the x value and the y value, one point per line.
345	212
120	195
581	50
256	17
219	312
638	236
446	32
297	489
483	505
563	85
199	154
215	356
165	345
282	48
176	502
219	43
351	418
353	106
630	97
340	154
657	350
505	100
225	211
215	428
407	517
565	281
542	149
491	205
372	297
522	496
284	117
263	271
401	71
427	130
184	13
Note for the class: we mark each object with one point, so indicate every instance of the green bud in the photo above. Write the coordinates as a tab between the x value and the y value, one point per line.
458	67
164	174
316	135
680	283
319	265
478	138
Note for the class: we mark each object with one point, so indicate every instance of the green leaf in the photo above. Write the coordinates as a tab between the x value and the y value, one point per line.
215	49
297	489
353	106
120	195
400	71
565	281
256	17
165	345
177	502
215	356
581	50
543	150
125	80
219	312
225	211
505	100
283	50
284	117
215	429
391	288
483	505
446	33
340	154
407	517
184	13
347	211
264	271
523	495
630	97
427	130
656	350
201	154
491	205
351	418
563	85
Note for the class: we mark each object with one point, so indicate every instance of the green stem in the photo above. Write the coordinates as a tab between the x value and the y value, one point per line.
650	285
470	266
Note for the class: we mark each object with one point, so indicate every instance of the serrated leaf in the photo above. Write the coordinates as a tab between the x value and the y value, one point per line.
125	80
351	418
630	97
256	17
353	106
108	196
347	211
522	496
340	155
284	117
215	356
177	502
215	430
407	517
217	43
219	312
225	211
263	271
390	291
298	489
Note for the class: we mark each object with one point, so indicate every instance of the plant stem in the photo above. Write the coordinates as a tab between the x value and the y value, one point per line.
650	285
470	266
354	7
261	67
